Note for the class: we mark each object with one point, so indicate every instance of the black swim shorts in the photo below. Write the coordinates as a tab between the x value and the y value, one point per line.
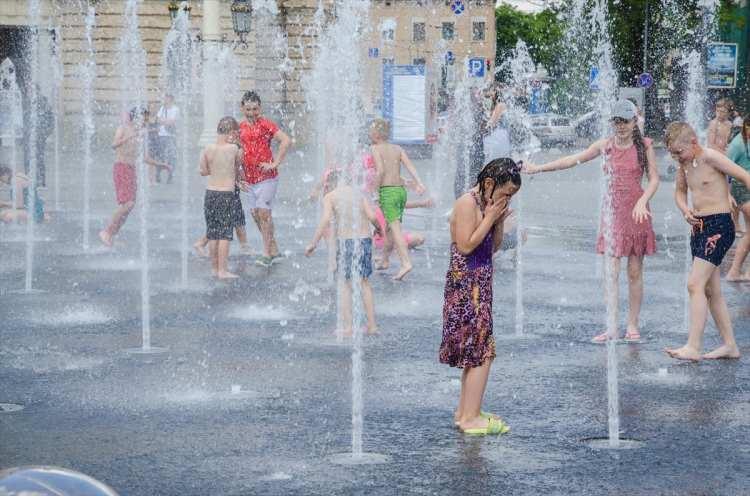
712	237
238	215
218	208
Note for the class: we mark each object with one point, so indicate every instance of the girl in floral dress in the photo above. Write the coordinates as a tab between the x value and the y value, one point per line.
625	229
476	233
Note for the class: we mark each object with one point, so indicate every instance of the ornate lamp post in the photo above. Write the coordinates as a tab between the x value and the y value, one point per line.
242	12
174	9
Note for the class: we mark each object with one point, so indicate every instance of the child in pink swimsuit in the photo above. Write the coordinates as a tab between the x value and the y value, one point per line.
628	157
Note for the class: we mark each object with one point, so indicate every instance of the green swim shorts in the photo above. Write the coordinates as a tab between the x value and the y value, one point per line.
392	202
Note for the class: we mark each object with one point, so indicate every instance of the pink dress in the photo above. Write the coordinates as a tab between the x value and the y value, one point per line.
625	175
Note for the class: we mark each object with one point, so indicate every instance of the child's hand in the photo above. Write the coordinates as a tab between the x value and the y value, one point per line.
529	168
309	250
244	186
496	211
691	218
640	212
420	189
267	166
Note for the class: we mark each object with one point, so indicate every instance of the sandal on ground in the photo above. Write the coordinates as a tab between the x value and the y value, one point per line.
633	337
494	427
603	338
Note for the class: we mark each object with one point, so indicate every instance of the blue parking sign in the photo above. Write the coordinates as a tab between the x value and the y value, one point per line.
594	78
457	6
373	53
476	68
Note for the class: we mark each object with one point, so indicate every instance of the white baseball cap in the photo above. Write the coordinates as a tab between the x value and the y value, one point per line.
624	109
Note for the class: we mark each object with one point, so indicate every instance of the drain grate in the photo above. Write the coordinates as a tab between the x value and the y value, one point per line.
10	407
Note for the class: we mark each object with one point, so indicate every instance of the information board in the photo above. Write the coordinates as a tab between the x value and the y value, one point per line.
405	102
721	65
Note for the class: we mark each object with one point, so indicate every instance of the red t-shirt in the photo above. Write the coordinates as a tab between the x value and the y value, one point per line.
256	145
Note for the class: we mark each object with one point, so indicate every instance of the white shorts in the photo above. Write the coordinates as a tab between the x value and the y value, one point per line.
261	195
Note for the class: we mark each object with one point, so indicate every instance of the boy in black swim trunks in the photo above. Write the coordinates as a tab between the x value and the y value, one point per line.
704	172
222	163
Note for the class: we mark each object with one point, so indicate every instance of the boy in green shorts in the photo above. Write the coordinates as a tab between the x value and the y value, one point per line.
392	193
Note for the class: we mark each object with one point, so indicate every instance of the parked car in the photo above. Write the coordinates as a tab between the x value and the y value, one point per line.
588	125
553	129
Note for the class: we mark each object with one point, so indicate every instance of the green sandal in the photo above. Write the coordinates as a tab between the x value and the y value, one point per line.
494	427
484	415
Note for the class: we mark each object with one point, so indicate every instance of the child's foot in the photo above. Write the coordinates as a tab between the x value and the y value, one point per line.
734	276
603	338
723	351
684	353
106	238
633	336
226	275
276	258
264	261
200	249
405	269
382	266
373	331
344	333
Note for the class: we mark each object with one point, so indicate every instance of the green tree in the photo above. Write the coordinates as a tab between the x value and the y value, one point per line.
542	32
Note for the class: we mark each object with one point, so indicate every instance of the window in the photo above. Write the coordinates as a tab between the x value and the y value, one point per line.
388	29
449	30
419	30
478	30
388	61
419	61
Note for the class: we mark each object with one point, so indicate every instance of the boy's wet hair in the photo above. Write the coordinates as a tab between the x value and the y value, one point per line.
250	96
675	131
727	103
227	125
501	171
382	127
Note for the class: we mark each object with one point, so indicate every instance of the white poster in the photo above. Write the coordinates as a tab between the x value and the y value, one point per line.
409	108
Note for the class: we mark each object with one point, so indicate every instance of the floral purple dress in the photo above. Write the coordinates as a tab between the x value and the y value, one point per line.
467	307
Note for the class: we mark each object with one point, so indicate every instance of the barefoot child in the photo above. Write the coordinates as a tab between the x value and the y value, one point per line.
704	172
352	218
720	127
128	144
476	227
392	193
222	163
17	209
629	157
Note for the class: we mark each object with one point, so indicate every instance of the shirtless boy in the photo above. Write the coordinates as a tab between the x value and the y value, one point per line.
720	127
222	163
392	193
704	172
128	143
353	244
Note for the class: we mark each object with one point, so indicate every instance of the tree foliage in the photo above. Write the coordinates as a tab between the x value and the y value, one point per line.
542	33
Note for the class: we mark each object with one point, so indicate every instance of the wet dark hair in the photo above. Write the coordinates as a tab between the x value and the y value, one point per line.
250	96
640	147
501	171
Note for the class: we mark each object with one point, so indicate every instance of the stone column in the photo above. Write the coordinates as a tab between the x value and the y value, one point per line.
212	97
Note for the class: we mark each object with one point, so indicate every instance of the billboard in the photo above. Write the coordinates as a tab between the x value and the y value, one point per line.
405	102
721	65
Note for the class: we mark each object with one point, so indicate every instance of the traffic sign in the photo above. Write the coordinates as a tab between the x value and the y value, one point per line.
645	80
449	57
594	78
476	68
457	6
373	53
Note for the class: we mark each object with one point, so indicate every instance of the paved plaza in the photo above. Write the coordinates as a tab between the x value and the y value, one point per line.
169	424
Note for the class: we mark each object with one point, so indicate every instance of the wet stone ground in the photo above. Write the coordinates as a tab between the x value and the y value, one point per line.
169	424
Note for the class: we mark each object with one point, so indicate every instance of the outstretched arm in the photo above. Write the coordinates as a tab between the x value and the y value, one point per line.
584	156
413	171
729	168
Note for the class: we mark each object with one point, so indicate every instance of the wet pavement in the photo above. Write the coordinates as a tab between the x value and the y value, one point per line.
170	424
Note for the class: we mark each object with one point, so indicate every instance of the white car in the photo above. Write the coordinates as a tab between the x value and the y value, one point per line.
553	129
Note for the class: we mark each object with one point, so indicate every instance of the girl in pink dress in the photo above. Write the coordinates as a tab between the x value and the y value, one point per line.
628	157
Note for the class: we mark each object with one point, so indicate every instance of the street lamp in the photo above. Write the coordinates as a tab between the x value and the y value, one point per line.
174	9
242	12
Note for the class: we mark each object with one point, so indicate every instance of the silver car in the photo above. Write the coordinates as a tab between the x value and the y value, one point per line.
553	129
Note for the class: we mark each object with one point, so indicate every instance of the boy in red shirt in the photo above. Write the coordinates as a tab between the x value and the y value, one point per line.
261	170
